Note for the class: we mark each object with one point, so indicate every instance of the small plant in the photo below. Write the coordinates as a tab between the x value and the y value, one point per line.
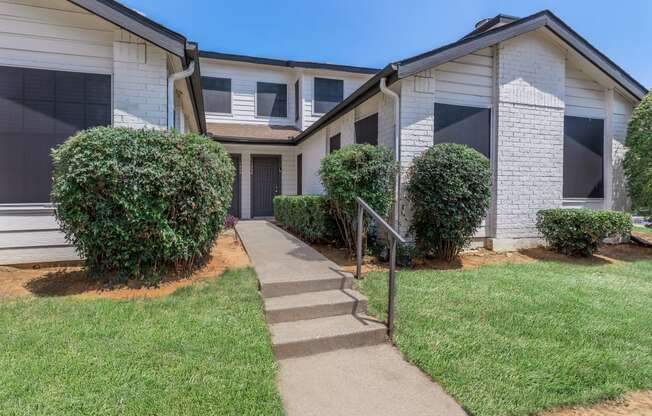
306	215
230	221
449	186
137	203
359	170
638	159
579	232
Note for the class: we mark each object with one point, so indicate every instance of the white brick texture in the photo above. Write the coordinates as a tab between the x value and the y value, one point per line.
139	83
530	134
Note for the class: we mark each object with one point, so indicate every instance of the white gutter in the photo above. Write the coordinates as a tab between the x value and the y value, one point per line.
397	146
174	77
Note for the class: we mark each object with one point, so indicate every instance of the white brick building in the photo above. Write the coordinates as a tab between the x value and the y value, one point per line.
548	109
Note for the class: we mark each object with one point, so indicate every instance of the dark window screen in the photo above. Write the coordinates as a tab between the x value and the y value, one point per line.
334	143
583	152
366	130
271	99
39	110
217	94
328	93
299	174
297	110
463	125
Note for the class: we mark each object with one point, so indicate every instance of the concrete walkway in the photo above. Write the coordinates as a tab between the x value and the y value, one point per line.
334	359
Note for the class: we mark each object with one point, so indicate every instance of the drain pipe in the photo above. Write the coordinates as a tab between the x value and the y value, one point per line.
174	77
397	146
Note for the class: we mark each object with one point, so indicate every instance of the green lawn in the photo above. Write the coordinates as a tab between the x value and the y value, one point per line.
514	339
642	229
204	350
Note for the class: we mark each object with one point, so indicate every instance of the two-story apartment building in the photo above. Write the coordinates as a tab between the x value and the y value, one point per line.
257	106
546	107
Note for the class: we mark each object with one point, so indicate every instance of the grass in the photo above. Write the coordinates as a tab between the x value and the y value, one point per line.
642	229
203	350
514	339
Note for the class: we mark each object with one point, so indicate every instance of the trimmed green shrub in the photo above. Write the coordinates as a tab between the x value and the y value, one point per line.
358	170
449	187
638	159
306	215
136	203
579	232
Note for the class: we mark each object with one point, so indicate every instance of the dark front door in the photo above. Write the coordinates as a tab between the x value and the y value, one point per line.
235	202
265	184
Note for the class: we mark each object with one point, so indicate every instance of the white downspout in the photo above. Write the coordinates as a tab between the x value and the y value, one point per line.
397	146
174	77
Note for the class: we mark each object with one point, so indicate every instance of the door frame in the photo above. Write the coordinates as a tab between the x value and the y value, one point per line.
238	173
252	182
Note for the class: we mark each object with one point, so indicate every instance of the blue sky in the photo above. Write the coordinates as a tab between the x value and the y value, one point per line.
376	32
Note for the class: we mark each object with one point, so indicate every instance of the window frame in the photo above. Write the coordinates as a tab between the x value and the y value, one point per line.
483	106
230	113
582	201
314	93
48	206
355	133
271	117
330	142
297	102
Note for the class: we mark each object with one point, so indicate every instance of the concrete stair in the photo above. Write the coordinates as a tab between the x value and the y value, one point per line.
317	314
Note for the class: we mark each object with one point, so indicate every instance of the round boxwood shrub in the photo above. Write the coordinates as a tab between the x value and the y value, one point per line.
449	187
638	159
579	232
358	170
138	203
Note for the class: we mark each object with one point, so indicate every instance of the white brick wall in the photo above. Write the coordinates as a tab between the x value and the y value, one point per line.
530	133
139	83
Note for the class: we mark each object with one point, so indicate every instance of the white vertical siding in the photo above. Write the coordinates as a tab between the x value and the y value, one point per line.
313	150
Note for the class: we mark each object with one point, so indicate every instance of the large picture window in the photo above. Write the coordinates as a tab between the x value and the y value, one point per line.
366	130
271	99
328	94
217	94
463	125
583	157
40	109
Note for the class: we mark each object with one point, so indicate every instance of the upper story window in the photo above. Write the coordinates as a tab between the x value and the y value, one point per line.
328	93
366	130
583	157
297	110
271	99
217	94
334	143
463	125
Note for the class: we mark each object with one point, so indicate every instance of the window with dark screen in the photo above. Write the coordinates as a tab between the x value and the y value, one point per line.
463	125
217	94
366	130
271	99
328	94
583	157
334	143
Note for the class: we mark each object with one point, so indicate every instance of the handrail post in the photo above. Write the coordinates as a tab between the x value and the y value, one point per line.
358	266
392	288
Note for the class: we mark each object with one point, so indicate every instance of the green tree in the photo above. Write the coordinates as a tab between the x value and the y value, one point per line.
638	159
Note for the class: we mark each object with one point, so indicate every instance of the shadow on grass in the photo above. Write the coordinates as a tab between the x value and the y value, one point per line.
608	254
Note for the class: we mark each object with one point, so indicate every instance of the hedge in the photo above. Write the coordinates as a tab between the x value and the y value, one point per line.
579	232
306	215
137	203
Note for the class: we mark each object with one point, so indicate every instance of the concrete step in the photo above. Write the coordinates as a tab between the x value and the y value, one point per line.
292	285
314	305
314	336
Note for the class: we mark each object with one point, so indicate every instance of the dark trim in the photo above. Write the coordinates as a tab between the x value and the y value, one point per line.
249	140
252	175
501	18
284	63
490	37
136	23
195	89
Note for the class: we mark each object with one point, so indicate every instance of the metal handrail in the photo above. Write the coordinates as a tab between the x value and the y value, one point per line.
394	237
